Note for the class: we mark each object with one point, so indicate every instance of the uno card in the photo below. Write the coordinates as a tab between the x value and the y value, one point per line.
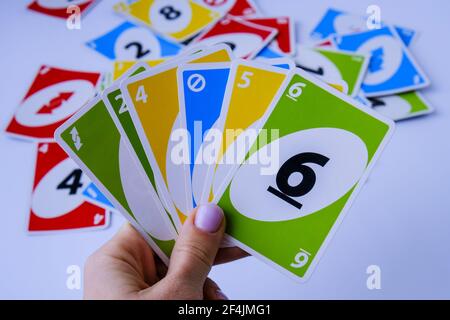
222	6
178	20
320	146
101	153
325	43
60	8
340	23
392	69
346	69
93	194
246	39
128	41
402	106
57	203
120	115
202	90
53	97
285	63
250	91
244	8
153	103
284	42
120	67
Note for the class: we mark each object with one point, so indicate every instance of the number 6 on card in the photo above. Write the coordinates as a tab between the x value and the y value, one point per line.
285	209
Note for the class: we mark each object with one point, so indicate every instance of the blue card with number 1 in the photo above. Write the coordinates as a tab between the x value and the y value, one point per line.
201	90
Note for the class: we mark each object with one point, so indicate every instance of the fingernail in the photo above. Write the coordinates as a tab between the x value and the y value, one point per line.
220	295
208	217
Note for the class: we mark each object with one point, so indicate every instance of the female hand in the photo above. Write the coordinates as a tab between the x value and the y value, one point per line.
126	267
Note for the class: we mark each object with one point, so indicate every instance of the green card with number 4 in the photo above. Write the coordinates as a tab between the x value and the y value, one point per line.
102	154
321	146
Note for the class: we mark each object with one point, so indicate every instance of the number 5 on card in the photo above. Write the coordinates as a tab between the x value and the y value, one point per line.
250	91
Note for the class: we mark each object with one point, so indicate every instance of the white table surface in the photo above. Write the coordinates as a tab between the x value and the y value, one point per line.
400	221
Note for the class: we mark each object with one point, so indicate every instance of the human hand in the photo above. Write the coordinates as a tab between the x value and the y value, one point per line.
126	267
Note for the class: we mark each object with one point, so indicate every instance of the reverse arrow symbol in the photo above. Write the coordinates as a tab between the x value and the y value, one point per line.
55	103
76	138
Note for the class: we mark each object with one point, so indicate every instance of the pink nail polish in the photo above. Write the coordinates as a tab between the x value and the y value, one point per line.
208	217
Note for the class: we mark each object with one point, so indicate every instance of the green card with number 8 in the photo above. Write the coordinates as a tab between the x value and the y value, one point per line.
93	141
321	146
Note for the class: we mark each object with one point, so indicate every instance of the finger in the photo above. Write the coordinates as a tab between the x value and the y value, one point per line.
211	291
131	248
161	267
197	245
225	255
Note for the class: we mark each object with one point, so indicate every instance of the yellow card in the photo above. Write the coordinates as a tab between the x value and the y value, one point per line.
251	89
152	98
120	67
177	19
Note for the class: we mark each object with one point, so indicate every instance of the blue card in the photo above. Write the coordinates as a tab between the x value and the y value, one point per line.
340	22
201	91
392	69
128	41
93	193
269	53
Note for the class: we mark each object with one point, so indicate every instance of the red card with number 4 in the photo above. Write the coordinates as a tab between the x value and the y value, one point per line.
54	96
58	8
246	39
284	41
57	202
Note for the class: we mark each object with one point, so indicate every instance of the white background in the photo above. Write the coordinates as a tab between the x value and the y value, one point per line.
400	221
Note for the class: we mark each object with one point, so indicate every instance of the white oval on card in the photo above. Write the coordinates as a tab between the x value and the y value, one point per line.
344	157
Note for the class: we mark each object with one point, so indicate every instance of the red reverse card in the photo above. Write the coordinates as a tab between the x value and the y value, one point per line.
58	8
246	39
55	95
284	41
57	202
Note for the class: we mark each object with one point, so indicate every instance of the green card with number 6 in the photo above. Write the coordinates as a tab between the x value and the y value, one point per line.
92	140
321	146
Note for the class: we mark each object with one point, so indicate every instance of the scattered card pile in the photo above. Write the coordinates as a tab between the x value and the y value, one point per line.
210	101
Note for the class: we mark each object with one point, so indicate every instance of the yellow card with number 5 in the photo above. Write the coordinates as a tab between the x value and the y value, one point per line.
250	91
178	20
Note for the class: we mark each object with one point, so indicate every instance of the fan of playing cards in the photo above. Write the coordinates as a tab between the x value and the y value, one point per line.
222	107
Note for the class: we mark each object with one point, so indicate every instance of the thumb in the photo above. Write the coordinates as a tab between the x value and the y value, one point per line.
197	245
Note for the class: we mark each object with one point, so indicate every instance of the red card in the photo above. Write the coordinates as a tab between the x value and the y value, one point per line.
244	8
284	41
57	202
246	39
325	43
58	8
54	96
